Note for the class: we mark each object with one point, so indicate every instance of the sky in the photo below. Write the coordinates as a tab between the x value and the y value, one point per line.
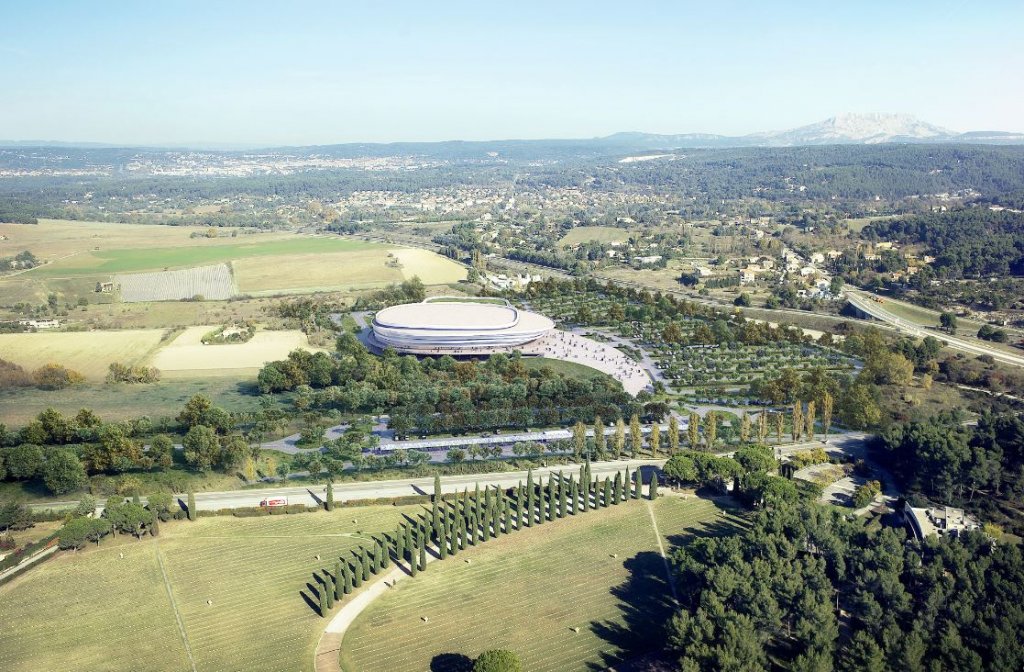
298	73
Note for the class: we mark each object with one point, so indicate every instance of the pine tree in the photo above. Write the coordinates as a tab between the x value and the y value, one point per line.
339	579
329	500
655	439
620	438
652	493
636	436
693	431
192	513
673	435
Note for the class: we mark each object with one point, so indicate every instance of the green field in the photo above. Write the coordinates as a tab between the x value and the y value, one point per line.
601	234
599	572
123	402
95	610
157	258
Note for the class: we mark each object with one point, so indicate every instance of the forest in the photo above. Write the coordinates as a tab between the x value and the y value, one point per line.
808	588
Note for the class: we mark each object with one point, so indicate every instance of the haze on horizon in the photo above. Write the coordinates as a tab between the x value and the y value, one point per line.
260	73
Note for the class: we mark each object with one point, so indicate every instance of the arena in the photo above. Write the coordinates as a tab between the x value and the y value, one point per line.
450	326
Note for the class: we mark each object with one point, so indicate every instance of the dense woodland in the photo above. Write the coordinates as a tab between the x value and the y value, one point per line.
966	243
807	588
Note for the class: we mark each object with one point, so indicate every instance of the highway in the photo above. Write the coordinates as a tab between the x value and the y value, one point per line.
863	302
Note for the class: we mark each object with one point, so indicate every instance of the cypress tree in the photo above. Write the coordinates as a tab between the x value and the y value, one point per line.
423	554
192	513
364	559
437	487
408	543
531	503
476	501
322	599
552	499
607	491
585	492
376	557
346	572
520	504
385	558
653	491
414	565
541	502
637	483
339	581
617	488
442	546
329	500
574	496
460	532
329	590
628	484
357	574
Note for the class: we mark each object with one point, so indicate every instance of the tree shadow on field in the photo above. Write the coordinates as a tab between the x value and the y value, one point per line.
645	602
310	602
451	662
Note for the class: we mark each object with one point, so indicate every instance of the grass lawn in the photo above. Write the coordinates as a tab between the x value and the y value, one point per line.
601	234
599	572
217	251
121	402
95	610
570	369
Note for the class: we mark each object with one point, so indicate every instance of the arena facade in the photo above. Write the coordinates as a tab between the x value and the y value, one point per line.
449	326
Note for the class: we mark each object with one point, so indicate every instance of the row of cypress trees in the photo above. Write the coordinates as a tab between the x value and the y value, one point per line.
468	519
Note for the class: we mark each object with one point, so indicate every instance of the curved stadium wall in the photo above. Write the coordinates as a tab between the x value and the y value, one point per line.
456	326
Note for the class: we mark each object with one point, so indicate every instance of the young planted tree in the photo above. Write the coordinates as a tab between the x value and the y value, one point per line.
673	434
619	442
574	496
606	494
617	488
809	420
329	590
711	429
636	436
693	431
329	499
780	423
652	492
762	426
745	428
826	412
655	439
579	440
346	575
797	419
191	505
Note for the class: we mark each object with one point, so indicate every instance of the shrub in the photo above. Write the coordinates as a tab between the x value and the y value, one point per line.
56	377
498	660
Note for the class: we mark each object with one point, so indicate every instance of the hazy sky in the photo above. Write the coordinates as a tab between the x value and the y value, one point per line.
321	72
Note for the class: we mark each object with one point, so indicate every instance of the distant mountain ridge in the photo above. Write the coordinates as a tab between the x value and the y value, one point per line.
842	129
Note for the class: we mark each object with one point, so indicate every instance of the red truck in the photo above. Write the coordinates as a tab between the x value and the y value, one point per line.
274	501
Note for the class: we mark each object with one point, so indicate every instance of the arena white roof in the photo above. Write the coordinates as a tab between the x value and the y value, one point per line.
456	326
